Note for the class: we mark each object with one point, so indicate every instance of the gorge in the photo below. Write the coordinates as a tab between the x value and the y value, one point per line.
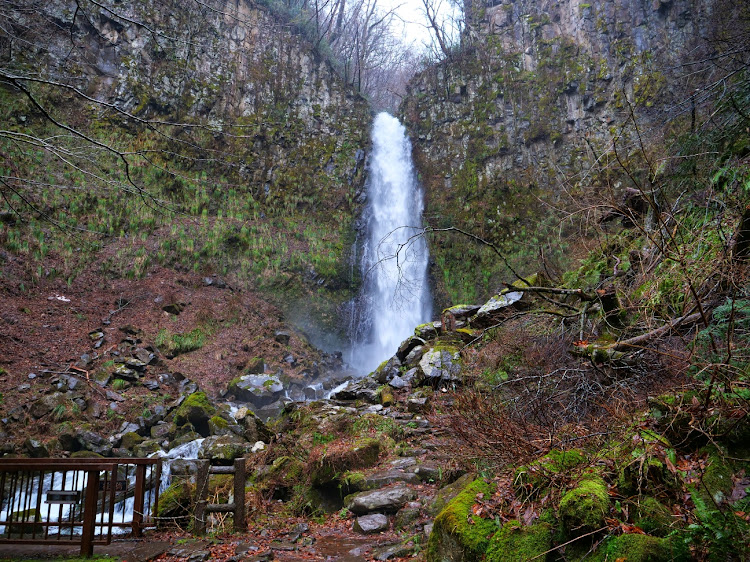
507	321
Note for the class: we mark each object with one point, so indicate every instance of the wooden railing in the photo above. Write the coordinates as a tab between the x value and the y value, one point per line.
203	508
76	501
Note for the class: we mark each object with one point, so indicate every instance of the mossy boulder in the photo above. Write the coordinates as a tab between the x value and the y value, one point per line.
130	440
584	508
196	409
534	477
340	456
654	517
386	396
223	449
645	548
257	389
457	533
518	543
177	500
253	428
86	455
448	492
145	448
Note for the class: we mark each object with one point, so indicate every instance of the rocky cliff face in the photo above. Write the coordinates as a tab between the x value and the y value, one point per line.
223	110
532	101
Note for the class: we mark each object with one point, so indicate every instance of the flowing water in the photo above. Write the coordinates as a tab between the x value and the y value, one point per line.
396	295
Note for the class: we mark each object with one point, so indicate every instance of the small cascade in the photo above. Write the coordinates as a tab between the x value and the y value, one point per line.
395	296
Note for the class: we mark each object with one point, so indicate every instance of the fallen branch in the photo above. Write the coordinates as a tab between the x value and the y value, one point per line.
636	341
580	293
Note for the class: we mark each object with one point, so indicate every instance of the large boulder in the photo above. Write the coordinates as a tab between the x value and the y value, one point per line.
91	441
340	456
253	428
365	389
223	449
257	389
196	410
385	500
490	312
457	533
440	365
584	508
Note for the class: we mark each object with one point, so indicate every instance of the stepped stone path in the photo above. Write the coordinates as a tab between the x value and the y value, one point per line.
389	520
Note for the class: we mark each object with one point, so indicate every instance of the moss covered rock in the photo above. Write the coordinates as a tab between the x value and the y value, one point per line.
654	517
130	440
177	500
584	508
534	477
457	534
196	410
644	548
516	543
341	456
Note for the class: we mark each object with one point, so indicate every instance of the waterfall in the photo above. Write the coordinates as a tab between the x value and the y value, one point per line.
395	296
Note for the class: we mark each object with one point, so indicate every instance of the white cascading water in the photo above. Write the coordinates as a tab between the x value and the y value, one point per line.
396	295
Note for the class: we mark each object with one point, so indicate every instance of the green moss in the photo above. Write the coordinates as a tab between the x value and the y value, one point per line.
219	422
196	409
531	479
584	508
339	457
386	396
516	543
176	500
457	534
131	439
654	517
645	548
86	455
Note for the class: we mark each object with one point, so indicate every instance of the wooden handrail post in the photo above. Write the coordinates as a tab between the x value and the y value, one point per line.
240	524
201	494
139	502
89	513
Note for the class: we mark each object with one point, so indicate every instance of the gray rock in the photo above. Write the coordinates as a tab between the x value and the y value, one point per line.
253	428
124	373
151	385
393	551
282	337
409	375
488	313
35	449
417	405
387	500
113	396
427	331
440	365
385	373
91	441
163	431
407	515
136	364
428	472
407	346
385	478
374	523
412	360
398	383
259	390
222	449
47	403
363	389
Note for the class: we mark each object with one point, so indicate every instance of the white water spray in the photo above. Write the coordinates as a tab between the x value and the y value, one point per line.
396	295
